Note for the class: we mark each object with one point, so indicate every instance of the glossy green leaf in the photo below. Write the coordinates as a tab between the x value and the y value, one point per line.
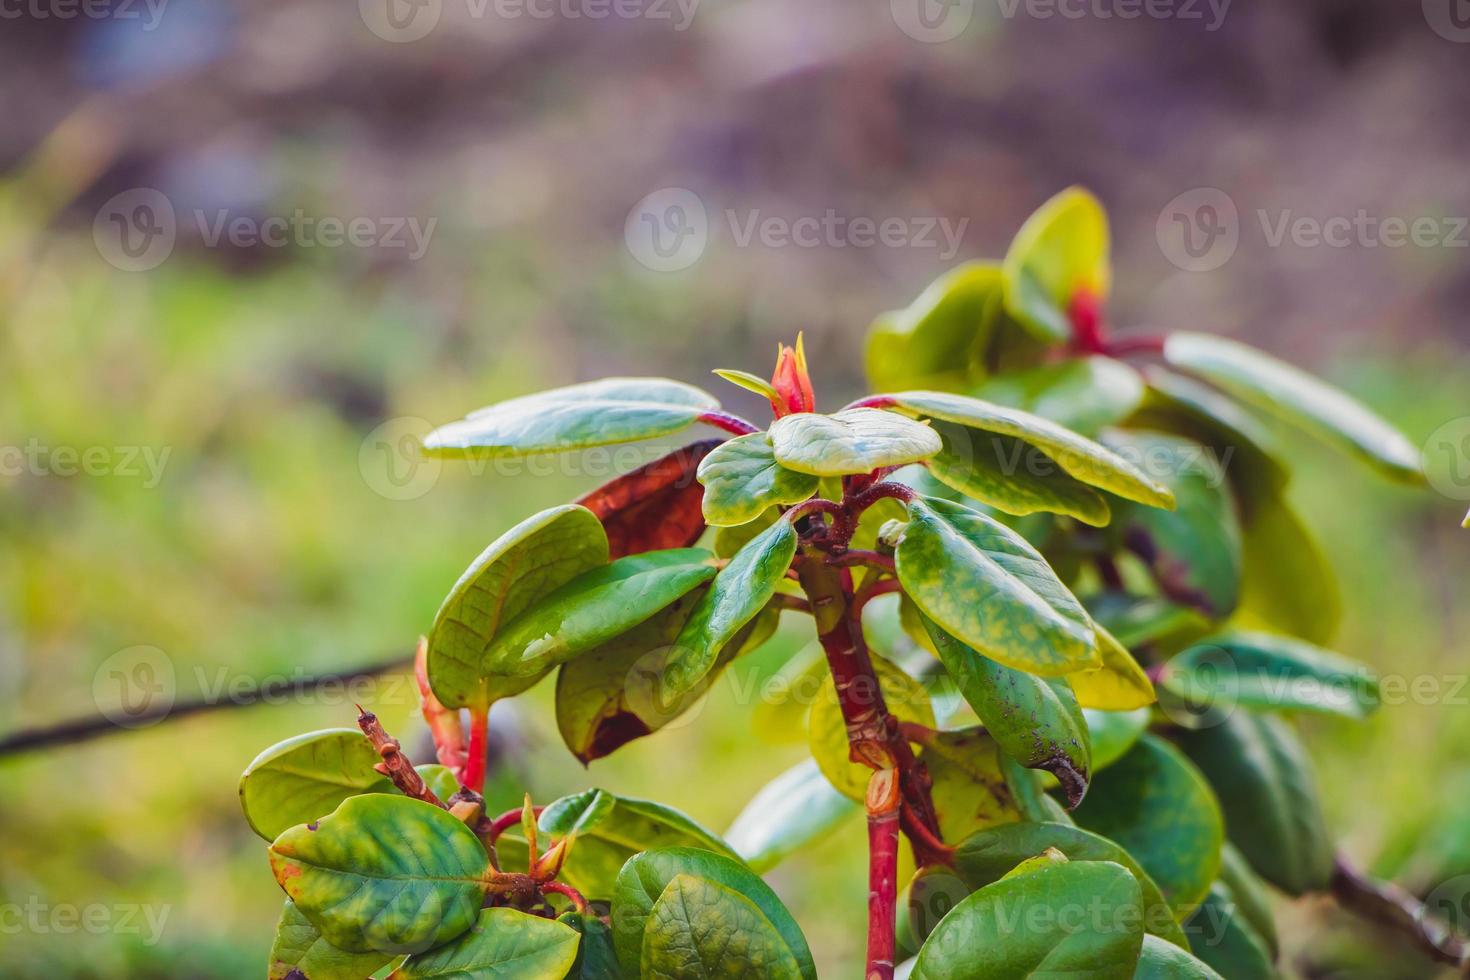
729	540
440	779
306	777
537	556
1029	789
1146	621
1079	918
905	698
300	953
1297	397
930	895
1248	892
856	440
1156	804
987	586
1159	960
1116	684
1223	938
970	790
595	607
1035	720
596	413
1060	252
700	928
610	829
596	958
384	873
643	880
793	810
742	479
1265	784
986	857
1194	551
1083	394
750	382
937	341
1265	670
1113	733
503	944
1088	461
740	591
1288	584
993	470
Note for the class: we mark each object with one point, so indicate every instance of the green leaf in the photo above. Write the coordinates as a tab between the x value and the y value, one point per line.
1248	893
440	780
537	556
905	698
855	440
793	810
740	591
306	777
986	857
970	790
300	953
1262	670
1060	252
742	479
1155	804
1194	551
1159	960
1226	940
1035	720
700	928
1287	584
729	540
986	585
750	382
779	714
1297	397
643	880
1113	733
610	829
1079	918
1264	781
1028	788
939	339
384	873
504	944
597	413
1145	621
931	894
1088	461
990	469
1118	683
596	958
595	607
1083	394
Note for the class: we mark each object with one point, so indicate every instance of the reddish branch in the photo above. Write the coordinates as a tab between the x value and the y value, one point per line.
883	805
1390	906
473	776
395	764
507	820
443	723
730	423
561	888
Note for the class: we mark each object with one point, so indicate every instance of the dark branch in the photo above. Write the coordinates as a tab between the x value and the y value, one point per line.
1393	908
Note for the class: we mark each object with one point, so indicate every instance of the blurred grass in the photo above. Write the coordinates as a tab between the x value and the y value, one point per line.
265	546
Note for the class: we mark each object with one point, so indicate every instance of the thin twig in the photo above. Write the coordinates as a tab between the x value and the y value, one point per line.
562	888
858	556
507	820
1394	908
395	765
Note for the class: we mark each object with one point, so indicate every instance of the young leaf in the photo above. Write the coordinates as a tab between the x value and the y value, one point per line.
740	591
300	953
904	697
1158	960
306	777
1297	397
1113	733
595	607
987	586
643	879
1030	926
854	441
610	829
1225	940
383	873
1118	684
937	342
596	958
597	413
1264	781
1084	459
654	507
793	810
1035	720
535	557
1262	670
750	382
969	790
1083	394
989	855
742	478
1157	805
1061	252
503	944
701	928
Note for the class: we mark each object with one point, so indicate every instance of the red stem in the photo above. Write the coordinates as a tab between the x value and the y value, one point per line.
883	821
474	766
561	888
507	820
728	422
1139	344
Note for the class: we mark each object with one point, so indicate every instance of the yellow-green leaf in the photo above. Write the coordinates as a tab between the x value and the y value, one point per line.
856	440
701	928
827	731
995	470
503	944
1061	251
742	479
300	953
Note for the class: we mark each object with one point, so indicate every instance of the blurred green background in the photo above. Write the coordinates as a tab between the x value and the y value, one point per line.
285	530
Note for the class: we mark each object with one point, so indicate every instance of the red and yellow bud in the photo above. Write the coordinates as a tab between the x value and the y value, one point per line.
792	383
